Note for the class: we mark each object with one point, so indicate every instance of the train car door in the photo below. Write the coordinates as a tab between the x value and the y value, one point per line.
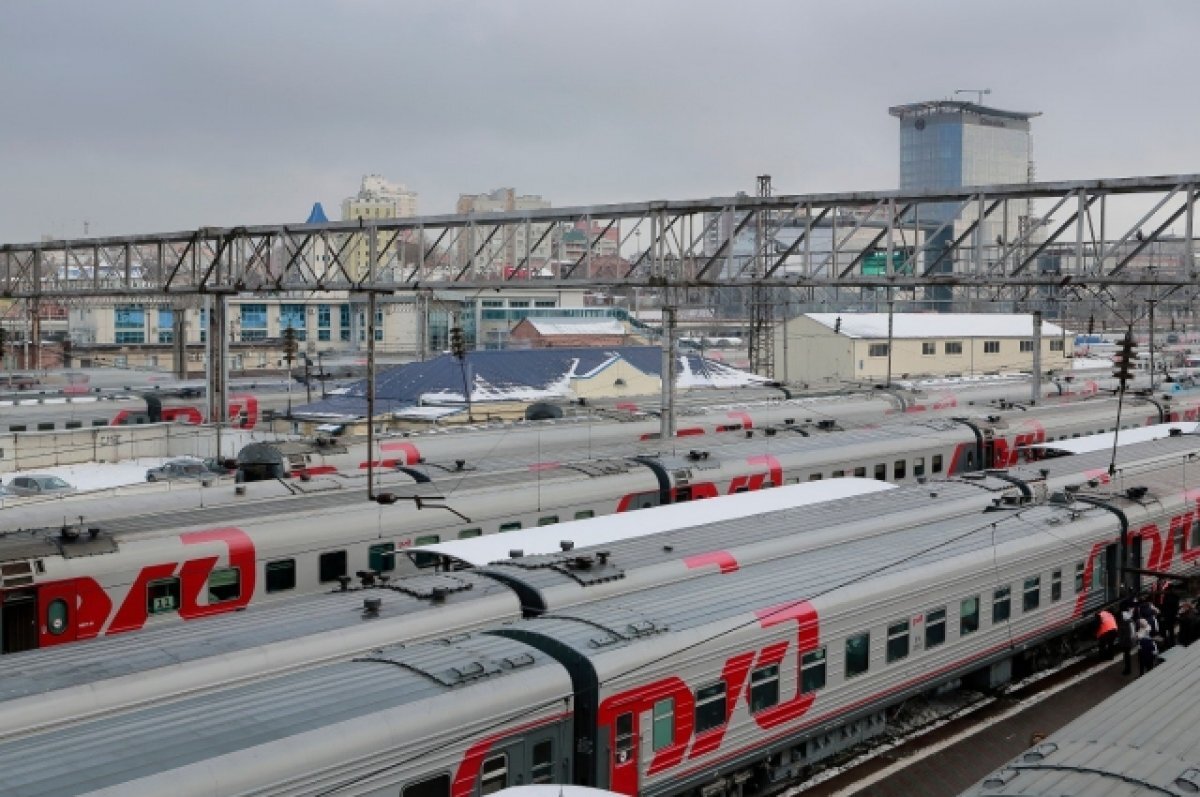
18	620
623	755
57	604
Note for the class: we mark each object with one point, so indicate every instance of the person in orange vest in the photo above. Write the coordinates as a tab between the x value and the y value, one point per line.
1106	633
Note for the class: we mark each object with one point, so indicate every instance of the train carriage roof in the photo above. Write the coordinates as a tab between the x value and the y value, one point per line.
623	526
406	609
1104	441
378	699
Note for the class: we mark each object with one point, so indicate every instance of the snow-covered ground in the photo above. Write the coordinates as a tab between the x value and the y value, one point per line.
87	476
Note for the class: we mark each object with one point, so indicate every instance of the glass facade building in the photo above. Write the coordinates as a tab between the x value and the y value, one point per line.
952	144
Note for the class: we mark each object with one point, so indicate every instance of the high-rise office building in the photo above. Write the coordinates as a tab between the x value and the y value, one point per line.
953	144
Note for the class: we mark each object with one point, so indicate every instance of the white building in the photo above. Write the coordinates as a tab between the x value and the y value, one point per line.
826	348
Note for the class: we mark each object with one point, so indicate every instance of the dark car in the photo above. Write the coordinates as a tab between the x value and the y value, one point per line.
179	470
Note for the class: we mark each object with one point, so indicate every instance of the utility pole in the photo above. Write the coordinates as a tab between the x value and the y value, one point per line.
667	426
1036	394
370	396
891	307
762	306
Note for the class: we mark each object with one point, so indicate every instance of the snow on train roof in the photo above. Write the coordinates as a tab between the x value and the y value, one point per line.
609	528
935	325
1104	441
1142	740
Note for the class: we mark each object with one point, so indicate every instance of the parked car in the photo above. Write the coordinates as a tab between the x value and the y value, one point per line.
38	484
179	469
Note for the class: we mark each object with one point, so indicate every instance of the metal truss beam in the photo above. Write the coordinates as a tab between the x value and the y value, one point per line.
988	237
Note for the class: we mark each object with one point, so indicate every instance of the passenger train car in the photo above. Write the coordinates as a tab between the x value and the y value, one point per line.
587	561
1142	741
730	683
434	454
125	573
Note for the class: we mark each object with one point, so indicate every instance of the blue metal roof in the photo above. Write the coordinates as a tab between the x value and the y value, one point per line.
317	215
513	374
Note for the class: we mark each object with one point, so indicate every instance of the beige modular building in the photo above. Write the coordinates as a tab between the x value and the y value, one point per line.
826	348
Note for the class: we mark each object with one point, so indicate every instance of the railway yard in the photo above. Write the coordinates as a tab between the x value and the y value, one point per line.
871	592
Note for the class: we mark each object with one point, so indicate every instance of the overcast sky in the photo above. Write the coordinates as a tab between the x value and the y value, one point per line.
165	115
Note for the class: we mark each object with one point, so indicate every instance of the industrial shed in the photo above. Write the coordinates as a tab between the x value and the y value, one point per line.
819	348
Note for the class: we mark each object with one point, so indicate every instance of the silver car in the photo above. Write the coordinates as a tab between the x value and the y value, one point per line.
38	484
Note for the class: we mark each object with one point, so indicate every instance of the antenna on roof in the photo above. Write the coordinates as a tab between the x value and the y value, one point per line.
979	94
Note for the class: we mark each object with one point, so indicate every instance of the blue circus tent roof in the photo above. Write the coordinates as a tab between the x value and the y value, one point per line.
317	215
510	375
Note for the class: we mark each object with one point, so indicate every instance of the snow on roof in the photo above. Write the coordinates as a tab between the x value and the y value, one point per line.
577	326
610	528
426	413
1101	442
936	325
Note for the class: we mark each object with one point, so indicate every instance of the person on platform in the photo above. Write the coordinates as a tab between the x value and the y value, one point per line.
1189	624
1147	649
1106	633
1126	639
1170	613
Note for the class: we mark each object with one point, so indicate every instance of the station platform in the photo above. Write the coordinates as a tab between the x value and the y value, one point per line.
952	758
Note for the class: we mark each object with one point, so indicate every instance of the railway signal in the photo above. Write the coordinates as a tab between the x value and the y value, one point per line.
1123	361
289	352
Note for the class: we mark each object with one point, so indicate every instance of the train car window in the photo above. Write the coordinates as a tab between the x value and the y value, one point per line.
860	473
542	770
881	472
918	467
968	615
1078	577
838	474
812	670
494	775
1056	585
224	584
814	477
584	514
664	723
162	596
937	463
897	641
624	746
1001	604
858	654
935	627
382	557
1195	542
281	575
56	616
437	786
1033	593
332	565
510	526
764	688
899	469
467	534
710	707
548	520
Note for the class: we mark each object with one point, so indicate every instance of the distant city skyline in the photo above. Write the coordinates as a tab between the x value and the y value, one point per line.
131	116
